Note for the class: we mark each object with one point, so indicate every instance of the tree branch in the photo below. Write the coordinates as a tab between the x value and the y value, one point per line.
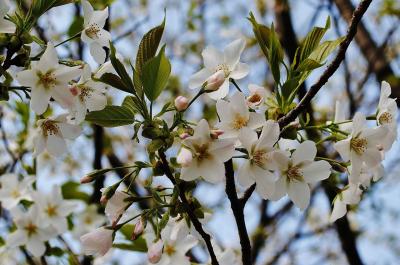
306	100
189	210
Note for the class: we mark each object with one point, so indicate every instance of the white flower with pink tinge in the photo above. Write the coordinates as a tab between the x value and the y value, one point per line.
257	96
203	156
218	65
93	32
116	206
48	79
387	115
51	135
98	241
297	172
235	115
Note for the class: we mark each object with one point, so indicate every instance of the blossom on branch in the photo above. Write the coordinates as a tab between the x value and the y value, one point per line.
6	26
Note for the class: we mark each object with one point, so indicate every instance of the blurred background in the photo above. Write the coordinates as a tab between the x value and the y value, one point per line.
280	233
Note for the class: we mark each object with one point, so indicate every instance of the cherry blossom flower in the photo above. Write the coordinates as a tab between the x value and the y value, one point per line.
361	146
116	206
12	190
181	103
215	61
88	95
6	26
154	253
93	32
177	241
98	241
349	196
48	79
257	96
30	231
387	115
297	172
53	209
235	115
340	116
88	220
51	135
258	169
207	155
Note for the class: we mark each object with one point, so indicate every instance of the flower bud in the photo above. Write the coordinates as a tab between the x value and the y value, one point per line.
154	252
181	103
139	227
215	81
184	135
184	157
216	133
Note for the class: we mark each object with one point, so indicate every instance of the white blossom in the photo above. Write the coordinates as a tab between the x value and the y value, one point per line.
297	172
98	241
361	146
87	95
235	115
93	32
215	61
258	169
48	79
30	231
12	191
116	206
6	26
349	196
207	155
257	96
387	115
88	220
51	135
53	209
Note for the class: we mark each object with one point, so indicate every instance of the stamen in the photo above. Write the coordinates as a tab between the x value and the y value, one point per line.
359	145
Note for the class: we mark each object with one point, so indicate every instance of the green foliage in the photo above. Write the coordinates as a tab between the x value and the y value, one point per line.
75	27
112	116
70	191
121	71
156	72
115	81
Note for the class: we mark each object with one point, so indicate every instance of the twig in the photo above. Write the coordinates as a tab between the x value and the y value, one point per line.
306	100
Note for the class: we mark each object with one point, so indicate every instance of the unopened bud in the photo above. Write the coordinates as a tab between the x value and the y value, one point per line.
139	227
183	136
181	103
154	252
184	157
215	81
216	133
103	200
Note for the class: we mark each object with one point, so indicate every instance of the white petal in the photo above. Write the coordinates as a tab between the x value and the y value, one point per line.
233	51
265	187
6	26
212	171
97	52
306	151
241	70
65	74
104	39
245	176
56	145
39	144
198	79
256	120
281	159
222	149
70	131
27	78
87	11
63	96
37	248
49	58
96	102
358	123
212	57
248	138
40	98
316	171
343	148
202	130
224	110
339	210
99	17
280	189
238	103
16	239
269	135
190	172
222	91
372	157
299	193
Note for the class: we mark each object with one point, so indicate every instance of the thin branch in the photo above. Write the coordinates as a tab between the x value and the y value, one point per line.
306	100
189	210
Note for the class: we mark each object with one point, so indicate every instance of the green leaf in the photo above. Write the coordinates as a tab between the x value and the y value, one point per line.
70	190
148	46
121	71
137	245
132	104
324	49
75	27
112	116
308	65
114	81
155	75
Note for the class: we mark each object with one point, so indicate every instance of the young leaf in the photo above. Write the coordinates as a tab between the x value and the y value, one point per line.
148	46
155	75
112	116
121	71
114	81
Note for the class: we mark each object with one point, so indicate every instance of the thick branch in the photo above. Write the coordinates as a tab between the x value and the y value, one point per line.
196	223
237	209
306	100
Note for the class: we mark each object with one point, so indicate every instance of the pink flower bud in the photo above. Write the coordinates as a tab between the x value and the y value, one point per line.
103	199
215	81
139	227
184	157
216	133
98	241
183	136
181	103
86	179
154	252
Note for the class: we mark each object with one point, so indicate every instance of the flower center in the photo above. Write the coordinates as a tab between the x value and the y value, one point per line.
88	220
170	250
201	152
239	122
50	127
15	193
93	31
255	98
31	229
259	157
294	173
385	118
224	68
51	210
47	80
359	145
86	92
